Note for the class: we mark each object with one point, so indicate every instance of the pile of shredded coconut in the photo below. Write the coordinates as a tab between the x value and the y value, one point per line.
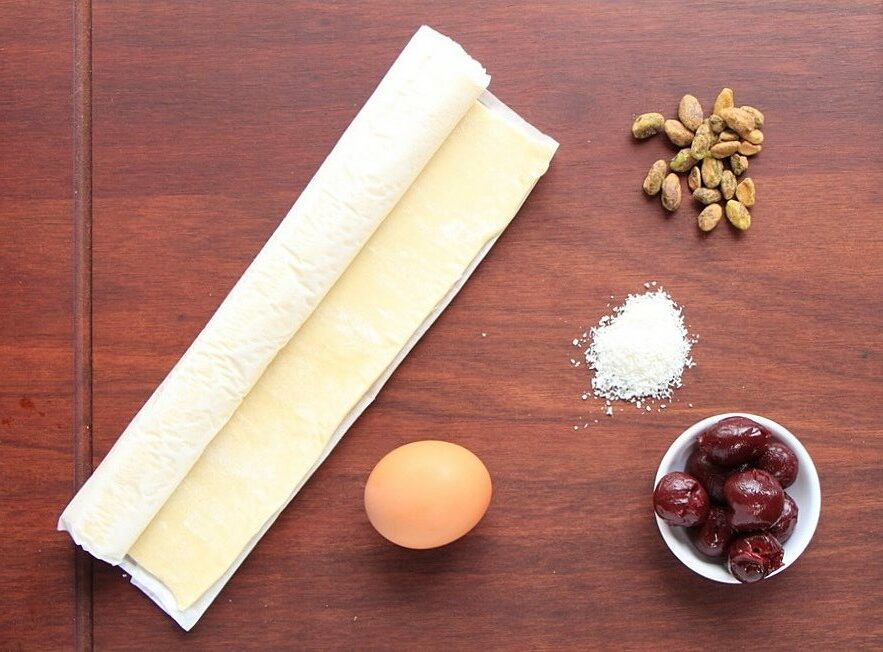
640	351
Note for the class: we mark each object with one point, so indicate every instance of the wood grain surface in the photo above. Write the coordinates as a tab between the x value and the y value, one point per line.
207	119
37	579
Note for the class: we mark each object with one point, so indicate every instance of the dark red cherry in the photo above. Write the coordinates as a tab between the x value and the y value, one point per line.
780	462
755	499
712	537
679	499
733	441
783	528
754	556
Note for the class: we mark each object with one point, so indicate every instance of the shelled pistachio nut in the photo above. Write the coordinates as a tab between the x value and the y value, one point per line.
728	184
712	169
683	161
728	135
690	112
677	133
723	150
738	215
710	216
738	120
694	180
724	101
671	192
653	180
707	195
647	124
746	192
758	116
755	136
749	149
738	164
702	142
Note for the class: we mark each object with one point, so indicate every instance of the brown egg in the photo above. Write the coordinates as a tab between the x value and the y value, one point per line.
427	494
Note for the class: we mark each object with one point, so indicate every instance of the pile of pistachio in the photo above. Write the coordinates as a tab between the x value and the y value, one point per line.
729	135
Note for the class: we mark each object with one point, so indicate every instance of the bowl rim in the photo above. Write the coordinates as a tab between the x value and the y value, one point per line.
691	558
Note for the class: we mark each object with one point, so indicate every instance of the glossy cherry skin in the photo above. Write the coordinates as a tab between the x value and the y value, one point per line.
755	499
712	537
783	528
679	499
710	475
780	462
752	557
733	441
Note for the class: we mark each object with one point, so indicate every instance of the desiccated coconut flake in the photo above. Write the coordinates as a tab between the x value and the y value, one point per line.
641	350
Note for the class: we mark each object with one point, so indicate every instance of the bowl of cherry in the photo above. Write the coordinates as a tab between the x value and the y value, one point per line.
737	498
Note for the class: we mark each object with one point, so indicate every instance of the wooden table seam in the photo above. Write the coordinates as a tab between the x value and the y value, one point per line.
82	293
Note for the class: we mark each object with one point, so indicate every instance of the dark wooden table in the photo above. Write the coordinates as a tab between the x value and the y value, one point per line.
133	193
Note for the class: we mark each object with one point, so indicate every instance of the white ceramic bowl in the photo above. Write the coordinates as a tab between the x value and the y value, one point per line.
805	491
